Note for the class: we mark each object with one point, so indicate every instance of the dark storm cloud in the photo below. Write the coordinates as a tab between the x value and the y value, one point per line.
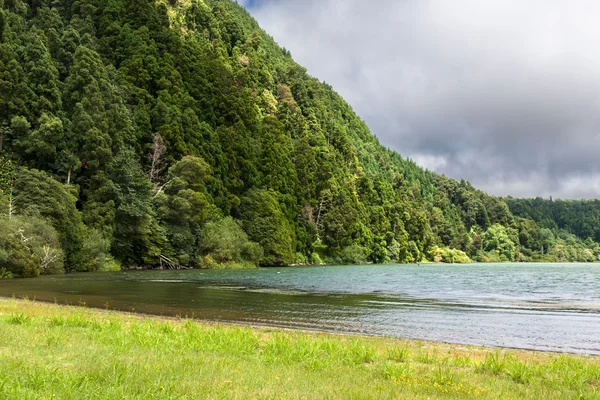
503	93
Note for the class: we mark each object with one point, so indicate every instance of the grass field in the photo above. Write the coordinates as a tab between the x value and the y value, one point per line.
49	351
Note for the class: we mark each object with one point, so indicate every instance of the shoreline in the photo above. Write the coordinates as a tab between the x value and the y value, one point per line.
143	316
291	329
79	352
422	263
296	300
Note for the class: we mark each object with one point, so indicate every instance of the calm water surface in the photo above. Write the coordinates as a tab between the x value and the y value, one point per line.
531	306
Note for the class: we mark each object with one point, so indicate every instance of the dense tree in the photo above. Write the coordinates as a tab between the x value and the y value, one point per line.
142	130
266	224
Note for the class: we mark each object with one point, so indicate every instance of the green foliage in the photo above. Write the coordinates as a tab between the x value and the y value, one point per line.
29	247
7	172
354	254
182	207
136	238
265	223
5	273
94	254
225	241
163	119
38	195
450	256
497	240
565	230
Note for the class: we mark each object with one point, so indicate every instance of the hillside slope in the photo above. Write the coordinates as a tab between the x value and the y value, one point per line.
143	131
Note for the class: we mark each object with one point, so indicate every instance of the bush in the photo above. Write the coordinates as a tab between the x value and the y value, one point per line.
450	256
496	239
224	241
208	262
252	252
5	274
487	257
301	259
94	254
29	247
37	195
110	265
354	254
315	259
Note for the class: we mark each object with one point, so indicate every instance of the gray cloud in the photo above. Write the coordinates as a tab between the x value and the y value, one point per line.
504	93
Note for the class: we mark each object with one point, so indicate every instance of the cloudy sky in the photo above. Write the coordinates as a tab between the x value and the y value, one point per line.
504	93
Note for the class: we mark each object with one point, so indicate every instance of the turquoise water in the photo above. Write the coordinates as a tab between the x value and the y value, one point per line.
553	307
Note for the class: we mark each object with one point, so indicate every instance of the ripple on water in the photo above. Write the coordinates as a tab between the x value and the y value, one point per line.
532	306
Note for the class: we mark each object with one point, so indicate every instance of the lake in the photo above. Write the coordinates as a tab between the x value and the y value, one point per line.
550	307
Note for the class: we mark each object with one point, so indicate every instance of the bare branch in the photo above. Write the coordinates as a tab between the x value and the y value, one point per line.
157	164
48	257
160	189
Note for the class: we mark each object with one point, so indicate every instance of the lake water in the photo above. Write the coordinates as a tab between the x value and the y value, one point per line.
553	307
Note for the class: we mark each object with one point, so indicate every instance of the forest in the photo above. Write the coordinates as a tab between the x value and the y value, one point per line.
135	131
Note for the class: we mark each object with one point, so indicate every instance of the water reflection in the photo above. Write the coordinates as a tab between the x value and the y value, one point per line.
544	307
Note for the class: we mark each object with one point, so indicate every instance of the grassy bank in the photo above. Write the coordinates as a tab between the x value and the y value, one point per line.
51	351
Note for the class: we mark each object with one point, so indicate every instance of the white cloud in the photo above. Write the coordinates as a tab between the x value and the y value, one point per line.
504	93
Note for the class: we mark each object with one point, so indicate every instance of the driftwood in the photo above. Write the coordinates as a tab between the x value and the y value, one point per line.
166	263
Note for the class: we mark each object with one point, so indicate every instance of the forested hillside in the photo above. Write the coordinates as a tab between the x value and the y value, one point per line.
133	131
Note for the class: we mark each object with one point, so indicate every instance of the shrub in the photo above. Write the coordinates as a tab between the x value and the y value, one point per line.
29	246
354	254
4	273
316	259
224	241
94	253
450	256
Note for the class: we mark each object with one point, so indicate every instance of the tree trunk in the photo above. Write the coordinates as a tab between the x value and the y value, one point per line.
10	203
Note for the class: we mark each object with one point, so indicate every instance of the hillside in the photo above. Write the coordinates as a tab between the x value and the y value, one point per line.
134	131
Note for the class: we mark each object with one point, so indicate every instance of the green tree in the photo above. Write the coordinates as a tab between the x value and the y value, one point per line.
38	195
137	239
547	239
496	239
225	241
29	247
265	223
183	206
42	76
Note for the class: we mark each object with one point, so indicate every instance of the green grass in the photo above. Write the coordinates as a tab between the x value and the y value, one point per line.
49	351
